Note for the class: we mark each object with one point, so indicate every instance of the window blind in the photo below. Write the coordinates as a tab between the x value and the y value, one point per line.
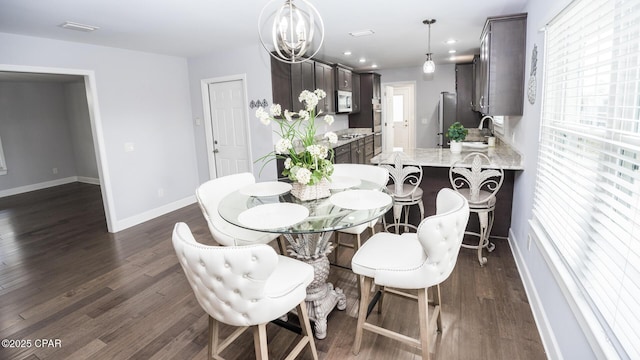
587	193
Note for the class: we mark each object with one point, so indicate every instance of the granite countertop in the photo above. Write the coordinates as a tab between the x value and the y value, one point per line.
356	133
501	156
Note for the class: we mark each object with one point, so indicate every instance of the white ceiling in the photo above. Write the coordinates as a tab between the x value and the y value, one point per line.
192	27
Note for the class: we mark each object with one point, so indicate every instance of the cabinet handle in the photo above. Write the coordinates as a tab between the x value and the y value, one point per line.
346	83
482	102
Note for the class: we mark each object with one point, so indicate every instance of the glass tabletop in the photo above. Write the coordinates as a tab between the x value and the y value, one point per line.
270	207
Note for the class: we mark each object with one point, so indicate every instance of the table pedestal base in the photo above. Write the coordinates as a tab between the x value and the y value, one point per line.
322	297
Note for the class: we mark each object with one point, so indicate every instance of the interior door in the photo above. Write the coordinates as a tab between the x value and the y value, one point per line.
229	129
387	123
403	117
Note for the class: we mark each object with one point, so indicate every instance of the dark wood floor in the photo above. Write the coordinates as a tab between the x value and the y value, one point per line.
124	296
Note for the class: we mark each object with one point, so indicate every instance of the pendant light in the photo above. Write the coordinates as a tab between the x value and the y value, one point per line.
293	29
429	66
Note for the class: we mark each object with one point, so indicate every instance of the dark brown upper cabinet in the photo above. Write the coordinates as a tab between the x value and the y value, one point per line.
343	78
502	65
325	80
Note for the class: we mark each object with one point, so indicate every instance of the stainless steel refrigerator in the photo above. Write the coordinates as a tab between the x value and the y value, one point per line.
446	116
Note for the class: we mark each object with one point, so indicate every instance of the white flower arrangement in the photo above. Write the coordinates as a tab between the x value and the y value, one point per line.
306	160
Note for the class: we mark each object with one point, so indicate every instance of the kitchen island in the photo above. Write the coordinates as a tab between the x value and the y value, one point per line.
435	164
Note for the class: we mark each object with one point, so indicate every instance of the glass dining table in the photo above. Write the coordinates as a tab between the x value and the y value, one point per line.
307	227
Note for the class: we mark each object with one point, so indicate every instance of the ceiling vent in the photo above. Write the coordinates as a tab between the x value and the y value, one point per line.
361	33
78	27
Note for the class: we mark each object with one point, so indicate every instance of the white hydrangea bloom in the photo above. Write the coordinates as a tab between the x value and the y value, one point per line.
309	99
321	94
304	115
263	116
303	176
328	119
275	110
283	146
287	163
332	137
287	115
318	151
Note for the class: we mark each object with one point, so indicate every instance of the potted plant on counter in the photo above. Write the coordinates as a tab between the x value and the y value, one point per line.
456	134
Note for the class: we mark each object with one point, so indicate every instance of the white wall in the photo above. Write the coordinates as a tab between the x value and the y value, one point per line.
80	129
428	89
560	329
35	133
143	99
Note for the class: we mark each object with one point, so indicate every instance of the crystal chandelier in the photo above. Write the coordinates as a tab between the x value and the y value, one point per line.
429	66
292	28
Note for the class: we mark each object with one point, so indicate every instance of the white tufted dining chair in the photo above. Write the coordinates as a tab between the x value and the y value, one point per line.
209	196
412	261
479	184
405	189
244	286
375	174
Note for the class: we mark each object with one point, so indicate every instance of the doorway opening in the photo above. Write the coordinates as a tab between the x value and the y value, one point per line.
87	77
224	101
399	116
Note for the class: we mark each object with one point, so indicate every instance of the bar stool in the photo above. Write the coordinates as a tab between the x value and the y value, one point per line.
472	177
412	261
405	189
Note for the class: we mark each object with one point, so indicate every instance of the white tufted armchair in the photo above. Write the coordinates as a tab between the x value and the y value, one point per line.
412	261
209	196
244	286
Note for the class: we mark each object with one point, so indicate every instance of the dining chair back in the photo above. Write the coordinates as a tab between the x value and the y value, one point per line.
209	196
244	286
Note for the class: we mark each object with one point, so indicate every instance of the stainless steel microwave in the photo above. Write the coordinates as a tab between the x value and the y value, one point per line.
344	101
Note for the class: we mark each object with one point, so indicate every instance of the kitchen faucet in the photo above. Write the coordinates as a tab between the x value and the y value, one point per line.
482	123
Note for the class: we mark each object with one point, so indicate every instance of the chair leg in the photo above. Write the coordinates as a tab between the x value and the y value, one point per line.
406	217
282	245
484	223
213	338
336	247
436	301
490	246
362	312
381	299
305	324
421	206
260	342
423	314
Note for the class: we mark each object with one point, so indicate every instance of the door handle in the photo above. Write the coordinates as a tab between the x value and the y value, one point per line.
215	151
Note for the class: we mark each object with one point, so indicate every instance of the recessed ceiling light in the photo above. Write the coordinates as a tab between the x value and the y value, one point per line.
347	53
452	58
451	41
362	60
361	33
78	27
374	66
452	51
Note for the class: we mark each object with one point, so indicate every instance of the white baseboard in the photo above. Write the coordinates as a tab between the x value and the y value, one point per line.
120	225
88	180
542	322
38	186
